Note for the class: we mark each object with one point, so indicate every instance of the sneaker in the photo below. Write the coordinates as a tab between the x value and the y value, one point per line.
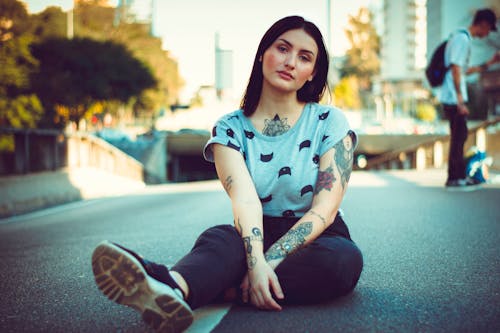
463	185
121	276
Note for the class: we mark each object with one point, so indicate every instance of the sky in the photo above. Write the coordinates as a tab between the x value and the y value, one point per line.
188	28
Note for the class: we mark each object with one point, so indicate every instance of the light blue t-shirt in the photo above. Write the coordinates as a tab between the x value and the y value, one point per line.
457	52
284	168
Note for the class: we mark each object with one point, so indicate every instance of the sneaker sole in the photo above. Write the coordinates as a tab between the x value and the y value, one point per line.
123	280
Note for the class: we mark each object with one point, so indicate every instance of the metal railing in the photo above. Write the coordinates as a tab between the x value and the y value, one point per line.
431	153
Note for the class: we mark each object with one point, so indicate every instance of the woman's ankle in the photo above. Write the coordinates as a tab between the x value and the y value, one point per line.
181	283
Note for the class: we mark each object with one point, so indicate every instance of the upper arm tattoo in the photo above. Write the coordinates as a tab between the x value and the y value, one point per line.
325	181
343	159
228	183
344	152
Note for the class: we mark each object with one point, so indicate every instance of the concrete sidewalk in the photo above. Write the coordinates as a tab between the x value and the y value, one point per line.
27	193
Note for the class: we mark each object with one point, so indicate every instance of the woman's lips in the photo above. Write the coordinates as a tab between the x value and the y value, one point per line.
285	75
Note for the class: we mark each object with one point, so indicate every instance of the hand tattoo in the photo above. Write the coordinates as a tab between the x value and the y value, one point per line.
290	242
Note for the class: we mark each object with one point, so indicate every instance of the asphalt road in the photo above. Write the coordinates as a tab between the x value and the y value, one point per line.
431	257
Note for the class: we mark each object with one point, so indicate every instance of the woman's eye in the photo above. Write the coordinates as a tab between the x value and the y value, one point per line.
305	58
282	48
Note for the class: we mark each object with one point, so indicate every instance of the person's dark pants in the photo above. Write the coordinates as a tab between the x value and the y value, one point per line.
326	268
458	136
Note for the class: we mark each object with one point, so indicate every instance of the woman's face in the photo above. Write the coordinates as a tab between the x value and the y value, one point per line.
289	62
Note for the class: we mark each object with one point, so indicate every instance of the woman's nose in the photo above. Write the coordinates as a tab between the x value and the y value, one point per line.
290	61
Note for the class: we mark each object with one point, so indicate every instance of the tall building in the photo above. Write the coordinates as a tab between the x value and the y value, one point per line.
137	11
412	30
403	52
223	69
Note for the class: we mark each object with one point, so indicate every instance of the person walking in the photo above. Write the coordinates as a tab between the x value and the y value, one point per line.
285	162
453	93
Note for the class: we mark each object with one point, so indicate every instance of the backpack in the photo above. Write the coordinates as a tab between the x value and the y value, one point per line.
436	69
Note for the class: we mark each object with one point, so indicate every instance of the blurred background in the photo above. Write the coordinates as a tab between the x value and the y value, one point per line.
133	87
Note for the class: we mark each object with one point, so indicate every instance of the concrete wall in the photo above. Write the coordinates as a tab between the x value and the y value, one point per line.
94	169
23	194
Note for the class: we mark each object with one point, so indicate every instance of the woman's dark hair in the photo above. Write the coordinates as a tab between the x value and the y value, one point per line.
311	91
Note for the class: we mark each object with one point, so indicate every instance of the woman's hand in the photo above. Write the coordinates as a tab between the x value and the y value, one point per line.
257	286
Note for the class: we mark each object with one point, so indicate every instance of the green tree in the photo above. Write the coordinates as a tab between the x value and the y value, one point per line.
346	94
13	18
75	74
94	19
50	23
363	57
19	107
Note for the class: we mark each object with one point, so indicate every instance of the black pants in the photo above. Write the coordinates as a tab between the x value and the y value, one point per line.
326	268
458	136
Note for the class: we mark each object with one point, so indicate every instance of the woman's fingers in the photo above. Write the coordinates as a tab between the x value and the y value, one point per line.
262	299
276	287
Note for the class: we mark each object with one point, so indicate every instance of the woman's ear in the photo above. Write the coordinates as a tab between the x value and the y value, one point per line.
312	76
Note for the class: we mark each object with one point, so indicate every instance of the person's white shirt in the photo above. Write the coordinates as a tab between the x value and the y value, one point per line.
457	52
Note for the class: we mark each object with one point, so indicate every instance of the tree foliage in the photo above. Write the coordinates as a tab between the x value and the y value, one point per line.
75	73
13	17
19	107
346	94
362	58
50	23
77	89
98	21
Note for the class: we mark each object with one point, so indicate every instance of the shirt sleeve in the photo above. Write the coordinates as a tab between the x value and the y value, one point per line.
224	132
335	130
459	49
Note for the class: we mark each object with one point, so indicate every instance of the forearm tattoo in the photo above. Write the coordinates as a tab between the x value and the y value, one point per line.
312	212
343	159
275	126
247	240
290	242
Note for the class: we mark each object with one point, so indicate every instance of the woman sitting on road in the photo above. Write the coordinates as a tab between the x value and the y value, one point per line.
285	162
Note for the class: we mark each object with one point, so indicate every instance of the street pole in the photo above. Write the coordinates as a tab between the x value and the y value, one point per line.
329	25
69	30
69	23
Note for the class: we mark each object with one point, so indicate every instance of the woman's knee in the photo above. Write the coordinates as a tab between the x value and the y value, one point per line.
343	266
350	267
222	236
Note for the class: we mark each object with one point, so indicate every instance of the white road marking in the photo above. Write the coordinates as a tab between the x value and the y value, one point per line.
207	317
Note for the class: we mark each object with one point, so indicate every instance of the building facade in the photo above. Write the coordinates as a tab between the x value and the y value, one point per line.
403	55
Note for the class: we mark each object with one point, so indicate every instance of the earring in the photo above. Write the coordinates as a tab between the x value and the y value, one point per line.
260	59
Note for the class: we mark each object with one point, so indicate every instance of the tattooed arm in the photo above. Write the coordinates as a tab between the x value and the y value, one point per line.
247	213
334	172
247	208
